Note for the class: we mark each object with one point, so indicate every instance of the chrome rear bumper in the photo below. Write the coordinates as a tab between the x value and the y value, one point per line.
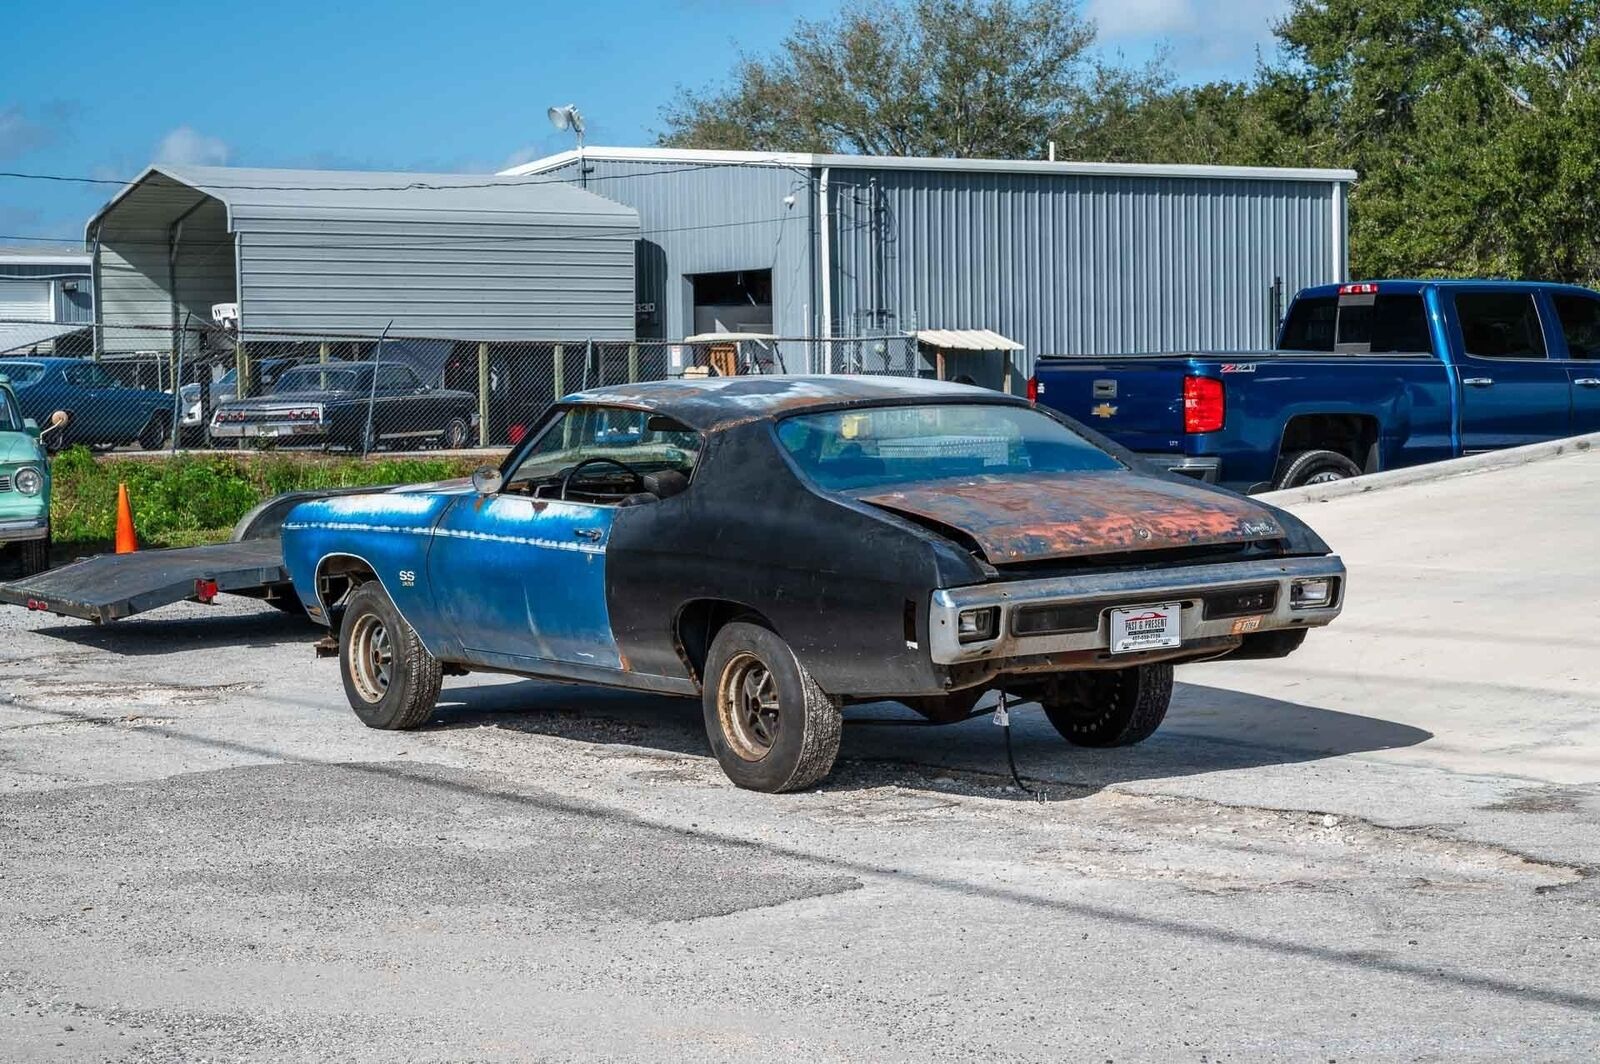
1196	586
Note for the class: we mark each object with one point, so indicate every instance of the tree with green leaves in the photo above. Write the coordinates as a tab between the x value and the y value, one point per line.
958	78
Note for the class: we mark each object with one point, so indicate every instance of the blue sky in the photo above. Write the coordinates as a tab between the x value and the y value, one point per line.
103	88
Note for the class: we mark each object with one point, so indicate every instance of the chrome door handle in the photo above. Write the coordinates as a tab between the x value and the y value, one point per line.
1477	382
591	534
1587	382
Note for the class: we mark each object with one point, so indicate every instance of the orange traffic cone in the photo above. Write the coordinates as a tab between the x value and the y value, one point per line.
127	541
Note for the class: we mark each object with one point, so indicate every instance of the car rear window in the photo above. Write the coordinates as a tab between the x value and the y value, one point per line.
22	373
1384	324
905	444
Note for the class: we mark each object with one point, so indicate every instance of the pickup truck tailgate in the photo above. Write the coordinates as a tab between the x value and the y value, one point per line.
1136	401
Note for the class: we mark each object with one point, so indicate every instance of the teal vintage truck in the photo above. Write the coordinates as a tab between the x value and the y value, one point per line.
24	484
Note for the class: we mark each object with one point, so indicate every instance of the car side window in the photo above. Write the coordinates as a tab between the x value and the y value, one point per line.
1500	324
599	437
397	379
88	377
1580	324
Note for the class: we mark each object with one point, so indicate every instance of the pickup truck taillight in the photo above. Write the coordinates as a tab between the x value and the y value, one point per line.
1203	405
1033	390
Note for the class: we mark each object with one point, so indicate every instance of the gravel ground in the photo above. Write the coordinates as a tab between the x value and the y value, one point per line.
1382	848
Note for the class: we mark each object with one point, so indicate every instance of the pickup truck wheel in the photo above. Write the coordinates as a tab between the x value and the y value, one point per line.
1114	708
772	728
391	680
1316	467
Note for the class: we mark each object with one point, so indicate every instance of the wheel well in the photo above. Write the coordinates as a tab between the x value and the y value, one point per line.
698	624
1353	435
338	575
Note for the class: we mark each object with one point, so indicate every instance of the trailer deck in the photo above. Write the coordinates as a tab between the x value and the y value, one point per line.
109	587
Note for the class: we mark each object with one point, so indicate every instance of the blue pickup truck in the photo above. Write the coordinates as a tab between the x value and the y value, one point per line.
1369	376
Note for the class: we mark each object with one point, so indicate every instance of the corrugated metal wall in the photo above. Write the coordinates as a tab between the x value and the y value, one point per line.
76	306
487	280
1070	264
712	219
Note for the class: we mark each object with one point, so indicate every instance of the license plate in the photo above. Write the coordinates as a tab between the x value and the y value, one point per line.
264	430
1146	628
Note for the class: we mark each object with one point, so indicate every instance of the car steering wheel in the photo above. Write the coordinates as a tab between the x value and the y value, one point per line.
570	474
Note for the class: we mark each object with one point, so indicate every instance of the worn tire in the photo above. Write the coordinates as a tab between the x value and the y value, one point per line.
1316	467
1114	708
457	435
802	727
154	434
407	696
35	555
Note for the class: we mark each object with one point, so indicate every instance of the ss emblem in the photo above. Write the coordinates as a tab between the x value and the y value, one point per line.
408	578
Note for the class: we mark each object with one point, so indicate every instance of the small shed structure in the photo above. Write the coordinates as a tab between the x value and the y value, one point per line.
347	253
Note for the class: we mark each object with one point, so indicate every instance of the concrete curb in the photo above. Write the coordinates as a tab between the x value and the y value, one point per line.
1454	467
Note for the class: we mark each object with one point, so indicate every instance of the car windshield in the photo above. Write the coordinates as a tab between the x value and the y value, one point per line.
10	416
22	373
905	444
320	379
646	443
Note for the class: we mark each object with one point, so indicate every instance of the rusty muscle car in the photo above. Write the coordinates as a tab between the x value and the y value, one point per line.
783	547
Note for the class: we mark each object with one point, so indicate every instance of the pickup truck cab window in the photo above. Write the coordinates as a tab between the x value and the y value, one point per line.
1580	324
908	444
1500	325
600	453
1359	325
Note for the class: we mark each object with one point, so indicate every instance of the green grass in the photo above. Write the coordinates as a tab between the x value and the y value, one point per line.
191	499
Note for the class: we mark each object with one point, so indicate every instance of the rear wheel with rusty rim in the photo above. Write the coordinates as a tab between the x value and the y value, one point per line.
771	727
1110	708
390	679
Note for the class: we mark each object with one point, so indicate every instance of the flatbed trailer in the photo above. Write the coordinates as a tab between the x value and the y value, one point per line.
110	587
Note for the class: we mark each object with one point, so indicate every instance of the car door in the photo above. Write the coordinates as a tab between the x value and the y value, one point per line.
522	577
1511	391
1578	314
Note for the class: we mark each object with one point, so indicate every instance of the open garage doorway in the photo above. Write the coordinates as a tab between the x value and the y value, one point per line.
738	301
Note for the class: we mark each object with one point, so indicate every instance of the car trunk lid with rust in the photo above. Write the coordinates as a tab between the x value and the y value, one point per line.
1015	519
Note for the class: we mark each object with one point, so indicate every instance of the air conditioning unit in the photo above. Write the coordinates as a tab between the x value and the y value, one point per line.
225	316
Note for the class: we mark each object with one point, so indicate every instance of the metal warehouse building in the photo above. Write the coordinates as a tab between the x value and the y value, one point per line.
308	252
43	297
1064	258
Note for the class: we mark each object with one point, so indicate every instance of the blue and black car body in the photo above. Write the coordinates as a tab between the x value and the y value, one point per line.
784	546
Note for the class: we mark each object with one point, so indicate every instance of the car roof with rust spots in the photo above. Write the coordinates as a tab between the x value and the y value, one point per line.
718	402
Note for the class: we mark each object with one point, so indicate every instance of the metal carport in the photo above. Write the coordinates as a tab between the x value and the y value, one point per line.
309	252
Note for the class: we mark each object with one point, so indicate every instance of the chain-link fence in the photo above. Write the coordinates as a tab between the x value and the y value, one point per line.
198	386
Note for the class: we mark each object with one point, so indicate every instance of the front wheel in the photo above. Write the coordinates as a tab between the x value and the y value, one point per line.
391	680
1112	708
772	728
35	555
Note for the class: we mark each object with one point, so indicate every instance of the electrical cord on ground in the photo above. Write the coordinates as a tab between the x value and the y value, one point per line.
1002	717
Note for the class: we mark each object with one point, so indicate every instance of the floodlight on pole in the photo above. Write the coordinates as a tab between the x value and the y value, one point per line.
565	118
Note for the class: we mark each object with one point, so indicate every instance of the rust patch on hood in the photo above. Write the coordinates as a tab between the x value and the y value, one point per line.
1069	515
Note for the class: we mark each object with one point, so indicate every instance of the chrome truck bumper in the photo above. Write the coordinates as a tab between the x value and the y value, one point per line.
15	530
1070	613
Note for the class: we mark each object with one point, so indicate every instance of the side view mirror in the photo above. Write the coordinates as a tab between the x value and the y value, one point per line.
486	480
58	421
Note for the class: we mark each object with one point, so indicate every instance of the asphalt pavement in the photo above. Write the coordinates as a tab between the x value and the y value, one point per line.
1382	848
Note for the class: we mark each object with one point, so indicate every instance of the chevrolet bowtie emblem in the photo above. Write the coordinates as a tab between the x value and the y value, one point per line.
1103	410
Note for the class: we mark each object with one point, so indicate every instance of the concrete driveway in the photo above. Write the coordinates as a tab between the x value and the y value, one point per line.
1384	847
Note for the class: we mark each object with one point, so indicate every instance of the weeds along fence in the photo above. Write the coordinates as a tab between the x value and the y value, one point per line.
152	387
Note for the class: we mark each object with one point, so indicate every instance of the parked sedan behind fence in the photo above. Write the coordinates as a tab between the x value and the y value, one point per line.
339	404
101	410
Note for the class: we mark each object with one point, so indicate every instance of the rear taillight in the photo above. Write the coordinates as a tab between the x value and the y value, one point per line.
1033	389
1366	288
1203	405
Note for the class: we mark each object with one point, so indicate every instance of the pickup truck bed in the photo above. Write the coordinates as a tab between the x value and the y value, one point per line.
1369	376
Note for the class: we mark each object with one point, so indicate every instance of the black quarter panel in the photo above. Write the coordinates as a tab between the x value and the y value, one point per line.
832	576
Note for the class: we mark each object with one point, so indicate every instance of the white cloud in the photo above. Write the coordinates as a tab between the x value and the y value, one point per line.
1202	35
188	145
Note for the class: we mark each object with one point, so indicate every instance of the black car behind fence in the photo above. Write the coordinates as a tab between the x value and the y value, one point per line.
363	393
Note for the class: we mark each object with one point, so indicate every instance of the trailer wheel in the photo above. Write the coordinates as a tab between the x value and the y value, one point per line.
391	680
1112	708
772	728
1316	467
